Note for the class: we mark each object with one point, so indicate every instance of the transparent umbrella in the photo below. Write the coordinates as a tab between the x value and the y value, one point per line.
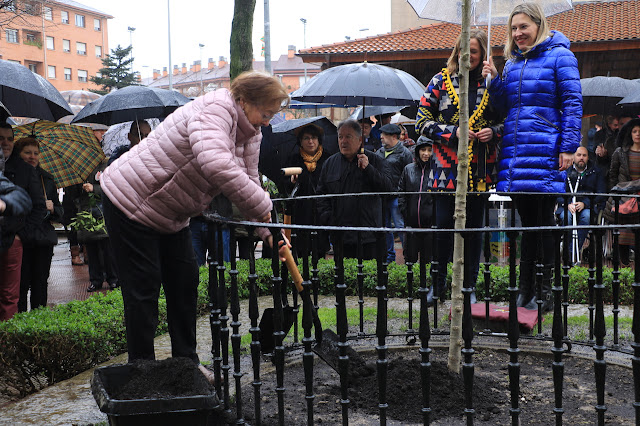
483	12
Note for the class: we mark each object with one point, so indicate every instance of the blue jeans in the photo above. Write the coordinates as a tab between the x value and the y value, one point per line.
392	214
582	218
201	237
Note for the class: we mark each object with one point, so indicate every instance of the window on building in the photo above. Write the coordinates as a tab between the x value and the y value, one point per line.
48	13
67	73
50	44
12	35
98	51
64	17
96	24
80	21
51	71
31	37
81	48
66	45
33	68
82	75
98	74
31	8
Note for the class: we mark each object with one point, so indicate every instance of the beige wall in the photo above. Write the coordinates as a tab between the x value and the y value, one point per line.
404	17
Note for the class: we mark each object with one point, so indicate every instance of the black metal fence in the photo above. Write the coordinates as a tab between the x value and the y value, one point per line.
602	339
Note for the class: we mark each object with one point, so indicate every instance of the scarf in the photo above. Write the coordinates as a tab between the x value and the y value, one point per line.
310	161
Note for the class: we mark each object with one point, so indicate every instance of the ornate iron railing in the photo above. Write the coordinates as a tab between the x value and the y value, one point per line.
224	297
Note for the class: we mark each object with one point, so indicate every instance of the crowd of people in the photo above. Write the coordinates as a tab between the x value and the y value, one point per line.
524	136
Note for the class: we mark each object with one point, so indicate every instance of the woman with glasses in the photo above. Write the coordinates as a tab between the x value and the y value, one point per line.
207	147
310	157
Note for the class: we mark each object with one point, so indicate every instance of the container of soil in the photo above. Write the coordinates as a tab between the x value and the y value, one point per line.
167	392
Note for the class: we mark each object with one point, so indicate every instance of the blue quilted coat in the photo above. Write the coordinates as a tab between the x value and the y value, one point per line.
540	95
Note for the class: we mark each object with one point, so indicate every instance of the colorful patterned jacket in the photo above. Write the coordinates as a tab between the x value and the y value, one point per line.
437	119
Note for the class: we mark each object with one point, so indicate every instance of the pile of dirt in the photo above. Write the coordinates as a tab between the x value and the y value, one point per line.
491	396
172	377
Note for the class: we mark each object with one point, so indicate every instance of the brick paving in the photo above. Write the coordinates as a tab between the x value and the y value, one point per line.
66	282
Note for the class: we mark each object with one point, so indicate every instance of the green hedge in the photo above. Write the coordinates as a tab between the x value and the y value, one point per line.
45	346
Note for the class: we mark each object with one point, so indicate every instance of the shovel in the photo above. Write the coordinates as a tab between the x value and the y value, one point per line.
267	325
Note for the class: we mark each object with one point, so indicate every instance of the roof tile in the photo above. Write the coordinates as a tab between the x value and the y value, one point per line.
587	22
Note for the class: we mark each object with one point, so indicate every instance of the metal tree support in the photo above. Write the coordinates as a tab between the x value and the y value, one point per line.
225	279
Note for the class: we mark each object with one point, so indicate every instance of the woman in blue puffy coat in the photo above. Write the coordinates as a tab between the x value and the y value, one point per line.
540	95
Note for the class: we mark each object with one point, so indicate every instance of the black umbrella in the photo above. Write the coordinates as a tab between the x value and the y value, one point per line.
630	105
4	113
131	103
361	84
601	94
27	94
279	142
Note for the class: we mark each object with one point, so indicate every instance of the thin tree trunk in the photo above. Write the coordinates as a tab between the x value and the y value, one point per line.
460	214
241	47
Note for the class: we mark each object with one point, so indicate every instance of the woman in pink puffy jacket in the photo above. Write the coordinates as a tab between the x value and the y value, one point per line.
207	147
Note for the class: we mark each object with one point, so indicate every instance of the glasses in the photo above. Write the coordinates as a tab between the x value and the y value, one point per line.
309	138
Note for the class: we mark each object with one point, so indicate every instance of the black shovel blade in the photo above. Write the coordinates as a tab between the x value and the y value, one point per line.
267	327
329	352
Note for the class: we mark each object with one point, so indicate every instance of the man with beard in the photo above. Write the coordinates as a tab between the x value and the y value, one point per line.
582	177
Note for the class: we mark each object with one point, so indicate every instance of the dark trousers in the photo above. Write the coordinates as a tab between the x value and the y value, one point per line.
145	260
102	265
472	243
536	211
36	264
10	267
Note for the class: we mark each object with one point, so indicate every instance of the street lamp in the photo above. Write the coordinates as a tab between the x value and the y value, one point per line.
131	30
304	25
201	71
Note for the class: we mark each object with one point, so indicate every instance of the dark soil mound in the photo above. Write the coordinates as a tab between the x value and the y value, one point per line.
404	392
491	396
172	377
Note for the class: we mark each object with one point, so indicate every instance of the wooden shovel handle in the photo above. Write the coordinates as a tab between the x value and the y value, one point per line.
287	231
293	268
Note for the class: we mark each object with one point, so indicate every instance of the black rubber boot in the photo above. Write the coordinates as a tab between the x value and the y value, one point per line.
526	285
547	295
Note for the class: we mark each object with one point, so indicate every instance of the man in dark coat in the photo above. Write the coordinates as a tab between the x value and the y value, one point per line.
582	177
353	170
17	228
605	142
417	209
397	157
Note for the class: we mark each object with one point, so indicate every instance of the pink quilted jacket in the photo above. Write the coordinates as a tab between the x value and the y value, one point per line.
204	148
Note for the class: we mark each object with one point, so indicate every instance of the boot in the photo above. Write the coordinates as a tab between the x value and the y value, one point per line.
525	284
75	256
547	295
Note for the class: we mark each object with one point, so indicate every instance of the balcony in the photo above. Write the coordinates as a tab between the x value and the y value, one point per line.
32	40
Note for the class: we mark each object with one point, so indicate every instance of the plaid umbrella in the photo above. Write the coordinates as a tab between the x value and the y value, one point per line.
69	153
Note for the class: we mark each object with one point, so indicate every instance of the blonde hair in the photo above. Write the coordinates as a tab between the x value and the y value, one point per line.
533	11
259	88
453	61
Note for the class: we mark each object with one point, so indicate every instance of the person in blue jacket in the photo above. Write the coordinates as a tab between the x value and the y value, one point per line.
539	92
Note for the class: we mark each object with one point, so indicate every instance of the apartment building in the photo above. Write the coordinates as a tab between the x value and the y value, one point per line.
62	40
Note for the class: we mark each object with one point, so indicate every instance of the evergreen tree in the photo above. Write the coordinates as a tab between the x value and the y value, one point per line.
116	71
